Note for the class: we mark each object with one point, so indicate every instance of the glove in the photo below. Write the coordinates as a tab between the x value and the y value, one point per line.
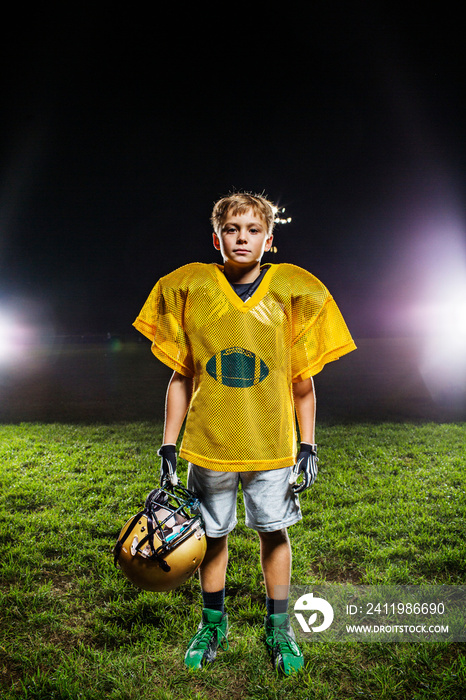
168	465
306	464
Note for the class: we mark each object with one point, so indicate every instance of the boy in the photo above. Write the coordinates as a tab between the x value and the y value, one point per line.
244	341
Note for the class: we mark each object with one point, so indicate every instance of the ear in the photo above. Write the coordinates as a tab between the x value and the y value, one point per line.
268	243
216	241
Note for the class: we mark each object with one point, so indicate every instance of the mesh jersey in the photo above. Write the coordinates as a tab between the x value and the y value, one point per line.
243	357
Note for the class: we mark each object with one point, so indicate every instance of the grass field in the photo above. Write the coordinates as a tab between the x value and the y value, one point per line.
389	507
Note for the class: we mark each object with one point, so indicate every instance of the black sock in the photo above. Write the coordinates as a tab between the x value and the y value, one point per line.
214	601
275	607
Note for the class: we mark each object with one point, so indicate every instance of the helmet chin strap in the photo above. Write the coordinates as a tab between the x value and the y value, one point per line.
120	542
150	538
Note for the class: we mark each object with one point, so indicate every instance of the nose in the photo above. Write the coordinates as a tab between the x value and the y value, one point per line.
241	235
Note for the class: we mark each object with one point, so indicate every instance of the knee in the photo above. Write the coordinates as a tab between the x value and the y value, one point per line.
275	538
217	544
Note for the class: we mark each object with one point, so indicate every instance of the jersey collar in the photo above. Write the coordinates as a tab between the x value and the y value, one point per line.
258	295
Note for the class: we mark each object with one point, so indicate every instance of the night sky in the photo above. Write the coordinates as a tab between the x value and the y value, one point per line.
120	128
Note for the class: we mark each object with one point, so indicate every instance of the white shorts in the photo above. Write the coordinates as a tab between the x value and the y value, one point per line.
269	500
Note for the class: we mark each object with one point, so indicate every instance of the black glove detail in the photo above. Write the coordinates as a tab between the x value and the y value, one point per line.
168	466
306	464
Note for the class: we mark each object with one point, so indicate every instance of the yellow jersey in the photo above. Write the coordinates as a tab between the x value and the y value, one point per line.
243	357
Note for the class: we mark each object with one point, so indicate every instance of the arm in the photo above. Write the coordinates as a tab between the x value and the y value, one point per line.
305	405
306	462
179	392
180	389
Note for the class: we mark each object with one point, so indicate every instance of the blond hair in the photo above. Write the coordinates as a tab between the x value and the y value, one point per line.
239	203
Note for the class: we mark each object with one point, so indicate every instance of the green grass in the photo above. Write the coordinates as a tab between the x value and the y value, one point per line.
388	507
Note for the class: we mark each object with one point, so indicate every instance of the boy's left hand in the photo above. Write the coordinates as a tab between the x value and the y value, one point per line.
306	464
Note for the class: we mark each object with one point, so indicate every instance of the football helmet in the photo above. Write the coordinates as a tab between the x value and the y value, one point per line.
163	545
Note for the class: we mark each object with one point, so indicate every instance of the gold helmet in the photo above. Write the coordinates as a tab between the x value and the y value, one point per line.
162	546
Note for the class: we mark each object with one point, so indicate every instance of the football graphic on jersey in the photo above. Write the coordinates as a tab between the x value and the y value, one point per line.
237	367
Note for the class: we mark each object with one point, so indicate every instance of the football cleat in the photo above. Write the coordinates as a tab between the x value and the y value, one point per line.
281	641
211	633
162	546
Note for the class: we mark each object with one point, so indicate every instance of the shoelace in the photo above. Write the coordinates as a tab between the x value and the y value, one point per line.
280	636
204	635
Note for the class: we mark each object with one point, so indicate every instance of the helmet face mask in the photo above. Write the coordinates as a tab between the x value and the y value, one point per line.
163	545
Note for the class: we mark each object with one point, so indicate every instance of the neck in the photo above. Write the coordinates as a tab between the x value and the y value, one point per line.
241	275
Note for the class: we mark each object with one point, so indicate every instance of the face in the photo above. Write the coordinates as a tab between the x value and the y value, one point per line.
243	239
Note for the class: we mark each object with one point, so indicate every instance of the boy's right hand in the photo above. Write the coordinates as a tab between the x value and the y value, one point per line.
306	466
168	465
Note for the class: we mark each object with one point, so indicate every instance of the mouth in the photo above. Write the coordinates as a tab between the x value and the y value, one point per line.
241	251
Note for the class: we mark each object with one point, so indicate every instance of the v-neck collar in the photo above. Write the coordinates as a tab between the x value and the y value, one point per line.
233	297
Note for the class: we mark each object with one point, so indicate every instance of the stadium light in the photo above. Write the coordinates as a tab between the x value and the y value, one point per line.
8	333
441	317
17	336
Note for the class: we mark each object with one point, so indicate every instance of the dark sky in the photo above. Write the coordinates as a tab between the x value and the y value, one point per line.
120	129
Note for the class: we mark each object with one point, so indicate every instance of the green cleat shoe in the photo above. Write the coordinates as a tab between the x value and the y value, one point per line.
281	641
211	633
